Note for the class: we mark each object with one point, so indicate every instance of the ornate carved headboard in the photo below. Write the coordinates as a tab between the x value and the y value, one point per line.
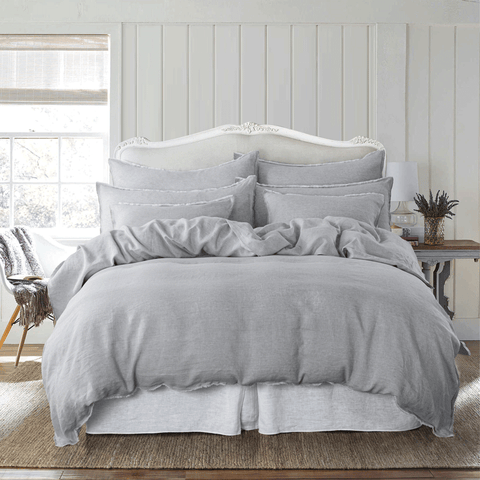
215	146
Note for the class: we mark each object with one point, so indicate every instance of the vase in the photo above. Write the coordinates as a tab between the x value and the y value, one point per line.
434	230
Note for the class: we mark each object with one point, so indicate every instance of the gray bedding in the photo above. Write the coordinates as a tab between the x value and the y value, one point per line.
311	302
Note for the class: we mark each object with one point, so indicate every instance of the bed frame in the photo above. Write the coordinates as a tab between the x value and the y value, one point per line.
215	146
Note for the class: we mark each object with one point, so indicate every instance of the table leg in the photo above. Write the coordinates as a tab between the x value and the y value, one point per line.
426	271
439	283
435	279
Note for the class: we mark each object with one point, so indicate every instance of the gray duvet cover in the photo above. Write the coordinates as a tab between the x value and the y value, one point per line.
194	303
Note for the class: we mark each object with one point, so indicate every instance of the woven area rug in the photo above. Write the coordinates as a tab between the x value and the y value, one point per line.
26	439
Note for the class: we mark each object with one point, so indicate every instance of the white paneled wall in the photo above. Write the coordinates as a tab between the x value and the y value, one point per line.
181	79
330	82
305	65
443	136
227	74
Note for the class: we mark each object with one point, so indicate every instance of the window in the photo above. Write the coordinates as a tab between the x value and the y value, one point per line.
54	123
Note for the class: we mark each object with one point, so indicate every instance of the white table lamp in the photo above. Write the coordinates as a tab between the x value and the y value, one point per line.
405	186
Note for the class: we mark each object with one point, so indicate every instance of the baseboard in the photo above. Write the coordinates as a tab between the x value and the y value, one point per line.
467	328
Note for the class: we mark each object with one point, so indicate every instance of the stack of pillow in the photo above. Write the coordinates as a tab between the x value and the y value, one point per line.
352	188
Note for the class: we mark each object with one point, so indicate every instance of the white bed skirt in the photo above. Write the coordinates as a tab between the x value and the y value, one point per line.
272	409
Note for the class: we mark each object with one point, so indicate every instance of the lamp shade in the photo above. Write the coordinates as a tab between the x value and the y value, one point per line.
405	180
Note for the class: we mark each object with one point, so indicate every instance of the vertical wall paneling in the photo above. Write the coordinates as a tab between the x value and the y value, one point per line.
279	90
417	102
129	81
175	81
149	81
442	113
467	154
391	64
355	89
304	78
442	121
443	130
201	78
252	74
227	74
330	82
372	82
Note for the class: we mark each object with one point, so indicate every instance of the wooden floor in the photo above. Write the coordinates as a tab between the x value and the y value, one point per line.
34	352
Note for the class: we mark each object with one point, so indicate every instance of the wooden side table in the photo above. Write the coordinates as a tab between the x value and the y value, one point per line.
440	256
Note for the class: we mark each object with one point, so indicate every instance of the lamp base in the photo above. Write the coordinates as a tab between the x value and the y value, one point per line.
403	217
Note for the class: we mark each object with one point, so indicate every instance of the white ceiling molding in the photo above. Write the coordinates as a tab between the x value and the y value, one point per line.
245	11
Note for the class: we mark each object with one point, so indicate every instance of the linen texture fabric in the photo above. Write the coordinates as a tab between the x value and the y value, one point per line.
135	215
370	167
381	185
243	196
229	409
284	207
131	175
323	304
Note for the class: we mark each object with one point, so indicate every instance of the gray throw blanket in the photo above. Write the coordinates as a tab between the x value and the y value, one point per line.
194	303
17	253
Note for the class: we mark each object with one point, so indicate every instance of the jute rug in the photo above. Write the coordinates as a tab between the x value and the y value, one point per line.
27	439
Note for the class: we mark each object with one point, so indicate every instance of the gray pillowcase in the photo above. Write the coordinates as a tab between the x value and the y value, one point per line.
370	167
382	185
131	175
242	191
284	207
136	214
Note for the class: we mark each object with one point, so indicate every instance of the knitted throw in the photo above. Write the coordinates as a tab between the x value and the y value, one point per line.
17	253
32	296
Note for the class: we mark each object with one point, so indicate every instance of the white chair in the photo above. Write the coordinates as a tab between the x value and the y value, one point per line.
50	253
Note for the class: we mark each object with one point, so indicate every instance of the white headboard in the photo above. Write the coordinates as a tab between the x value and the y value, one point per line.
216	146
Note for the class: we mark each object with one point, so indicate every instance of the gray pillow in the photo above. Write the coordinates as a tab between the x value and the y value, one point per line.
382	185
242	191
284	207
136	214
131	175
370	167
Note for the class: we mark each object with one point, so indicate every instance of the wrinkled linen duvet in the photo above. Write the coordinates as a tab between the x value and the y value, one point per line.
208	301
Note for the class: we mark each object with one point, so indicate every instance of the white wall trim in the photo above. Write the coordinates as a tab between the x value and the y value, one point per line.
245	11
467	328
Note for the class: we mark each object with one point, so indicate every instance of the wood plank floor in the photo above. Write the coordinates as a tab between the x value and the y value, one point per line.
34	352
233	474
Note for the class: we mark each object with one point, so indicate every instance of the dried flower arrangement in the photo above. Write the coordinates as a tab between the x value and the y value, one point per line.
441	206
435	211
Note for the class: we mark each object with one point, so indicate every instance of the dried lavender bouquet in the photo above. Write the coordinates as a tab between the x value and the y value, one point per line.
435	211
441	206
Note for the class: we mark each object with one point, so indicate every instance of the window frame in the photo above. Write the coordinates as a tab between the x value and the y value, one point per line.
59	231
115	32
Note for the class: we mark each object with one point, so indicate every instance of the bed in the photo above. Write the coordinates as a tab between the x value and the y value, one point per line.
235	311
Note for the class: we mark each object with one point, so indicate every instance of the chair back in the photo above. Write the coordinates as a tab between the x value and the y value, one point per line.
49	252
